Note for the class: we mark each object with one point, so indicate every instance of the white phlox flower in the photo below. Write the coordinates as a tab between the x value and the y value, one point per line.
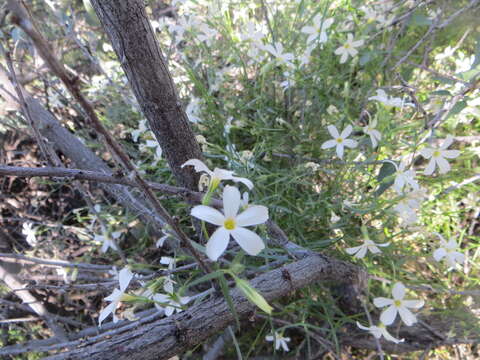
348	48
318	30
437	156
375	135
108	241
389	100
398	305
29	232
409	204
404	177
232	223
379	331
359	252
279	340
142	127
448	251
339	140
170	302
155	145
217	174
124	278
192	110
281	57
252	33
169	261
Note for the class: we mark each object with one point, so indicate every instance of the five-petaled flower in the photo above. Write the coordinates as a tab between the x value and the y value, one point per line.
448	251
379	331
375	135
404	177
368	245
124	278
277	51
339	140
217	174
318	30
280	340
348	49
389	100
398	305
232	224
437	156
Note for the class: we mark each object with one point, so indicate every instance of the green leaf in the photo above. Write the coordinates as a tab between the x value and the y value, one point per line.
457	108
386	170
228	298
207	277
253	295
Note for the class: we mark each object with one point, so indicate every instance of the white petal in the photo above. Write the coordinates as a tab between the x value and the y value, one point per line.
340	148
389	337
197	165
124	277
448	141
427	153
407	317
346	132
398	291
350	143
382	302
329	144
284	346
344	57
362	252
430	167
244	181
218	243
353	250
333	131
105	312
248	240
413	304
362	327
253	215
450	154
208	214
231	201
388	316
443	165
439	254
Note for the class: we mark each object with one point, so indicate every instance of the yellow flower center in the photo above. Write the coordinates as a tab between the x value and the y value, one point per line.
229	224
436	153
397	303
339	140
346	46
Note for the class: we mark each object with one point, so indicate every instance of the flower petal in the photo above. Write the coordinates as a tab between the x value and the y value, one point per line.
382	302
124	277
448	141
407	316
244	181
450	154
443	165
413	304
217	243
110	308
329	144
248	240
231	201
362	252
253	215
346	132
430	167
439	254
350	143
427	153
353	250
333	131
388	316
208	214
398	291
362	327
198	165
340	149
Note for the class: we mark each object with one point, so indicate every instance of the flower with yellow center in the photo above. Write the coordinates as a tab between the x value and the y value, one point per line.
348	49
379	331
124	278
339	140
448	250
232	223
398	305
375	135
437	156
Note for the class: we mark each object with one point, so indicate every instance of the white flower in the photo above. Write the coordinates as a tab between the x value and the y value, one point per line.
348	49
154	144
279	341
277	51
108	241
406	207
232	224
252	33
448	251
374	134
141	129
368	245
169	261
398	305
172	302
318	30
217	174
124	278
192	110
437	156
379	331
29	232
389	100
339	140
404	177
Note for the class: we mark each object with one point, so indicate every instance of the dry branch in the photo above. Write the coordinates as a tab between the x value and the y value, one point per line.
165	338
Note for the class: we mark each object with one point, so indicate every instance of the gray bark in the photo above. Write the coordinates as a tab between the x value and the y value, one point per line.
134	41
